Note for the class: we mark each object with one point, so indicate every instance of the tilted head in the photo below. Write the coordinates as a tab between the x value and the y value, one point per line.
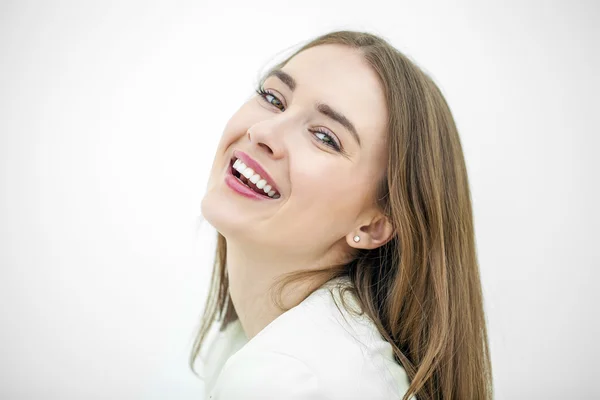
358	141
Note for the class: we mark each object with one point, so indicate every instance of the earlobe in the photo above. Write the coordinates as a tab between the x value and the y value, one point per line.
356	240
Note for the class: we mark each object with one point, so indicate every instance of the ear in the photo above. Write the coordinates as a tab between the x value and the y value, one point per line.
377	232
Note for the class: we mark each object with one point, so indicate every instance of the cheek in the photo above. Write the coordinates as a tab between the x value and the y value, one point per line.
327	201
322	187
238	124
233	131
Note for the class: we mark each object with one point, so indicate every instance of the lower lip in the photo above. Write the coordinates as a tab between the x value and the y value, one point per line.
235	184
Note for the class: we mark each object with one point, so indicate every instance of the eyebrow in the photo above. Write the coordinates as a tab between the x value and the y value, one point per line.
323	108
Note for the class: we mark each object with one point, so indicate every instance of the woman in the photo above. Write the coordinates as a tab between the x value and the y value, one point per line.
343	183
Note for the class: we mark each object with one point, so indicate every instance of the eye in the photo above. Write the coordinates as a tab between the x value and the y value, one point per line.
265	95
330	141
271	99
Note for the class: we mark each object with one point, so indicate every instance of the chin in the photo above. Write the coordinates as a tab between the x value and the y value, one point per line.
222	215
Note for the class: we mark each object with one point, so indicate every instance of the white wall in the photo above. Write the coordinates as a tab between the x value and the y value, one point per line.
109	115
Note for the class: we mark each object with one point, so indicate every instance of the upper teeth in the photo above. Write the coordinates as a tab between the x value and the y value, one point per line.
254	178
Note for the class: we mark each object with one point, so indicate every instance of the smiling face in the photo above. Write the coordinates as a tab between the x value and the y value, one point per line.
319	132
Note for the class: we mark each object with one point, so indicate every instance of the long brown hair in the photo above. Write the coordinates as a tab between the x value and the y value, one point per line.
422	289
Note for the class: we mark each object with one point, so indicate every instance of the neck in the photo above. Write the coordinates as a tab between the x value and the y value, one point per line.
253	289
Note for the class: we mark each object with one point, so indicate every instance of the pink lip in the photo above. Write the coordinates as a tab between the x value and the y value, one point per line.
250	162
235	184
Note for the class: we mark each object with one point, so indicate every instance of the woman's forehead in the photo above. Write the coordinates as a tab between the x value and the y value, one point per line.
332	66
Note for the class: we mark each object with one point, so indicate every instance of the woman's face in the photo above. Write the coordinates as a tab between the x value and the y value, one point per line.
325	179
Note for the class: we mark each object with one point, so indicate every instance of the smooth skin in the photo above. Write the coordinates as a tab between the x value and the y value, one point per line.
327	197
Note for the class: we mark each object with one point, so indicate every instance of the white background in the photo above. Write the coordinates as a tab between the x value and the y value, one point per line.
109	117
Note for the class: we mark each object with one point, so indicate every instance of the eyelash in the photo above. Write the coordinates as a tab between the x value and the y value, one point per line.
333	144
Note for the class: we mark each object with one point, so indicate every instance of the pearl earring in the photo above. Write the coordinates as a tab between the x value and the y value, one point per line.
356	238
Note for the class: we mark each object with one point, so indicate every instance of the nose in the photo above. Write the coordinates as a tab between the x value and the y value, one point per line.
268	137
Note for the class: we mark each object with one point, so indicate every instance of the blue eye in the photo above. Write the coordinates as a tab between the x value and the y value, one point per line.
271	99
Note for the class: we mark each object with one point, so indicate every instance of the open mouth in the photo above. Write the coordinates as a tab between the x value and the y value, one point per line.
254	182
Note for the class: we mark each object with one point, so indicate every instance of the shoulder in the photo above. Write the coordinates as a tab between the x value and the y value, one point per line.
267	375
341	353
316	350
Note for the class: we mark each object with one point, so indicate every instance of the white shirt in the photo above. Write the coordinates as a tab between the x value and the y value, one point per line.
310	352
